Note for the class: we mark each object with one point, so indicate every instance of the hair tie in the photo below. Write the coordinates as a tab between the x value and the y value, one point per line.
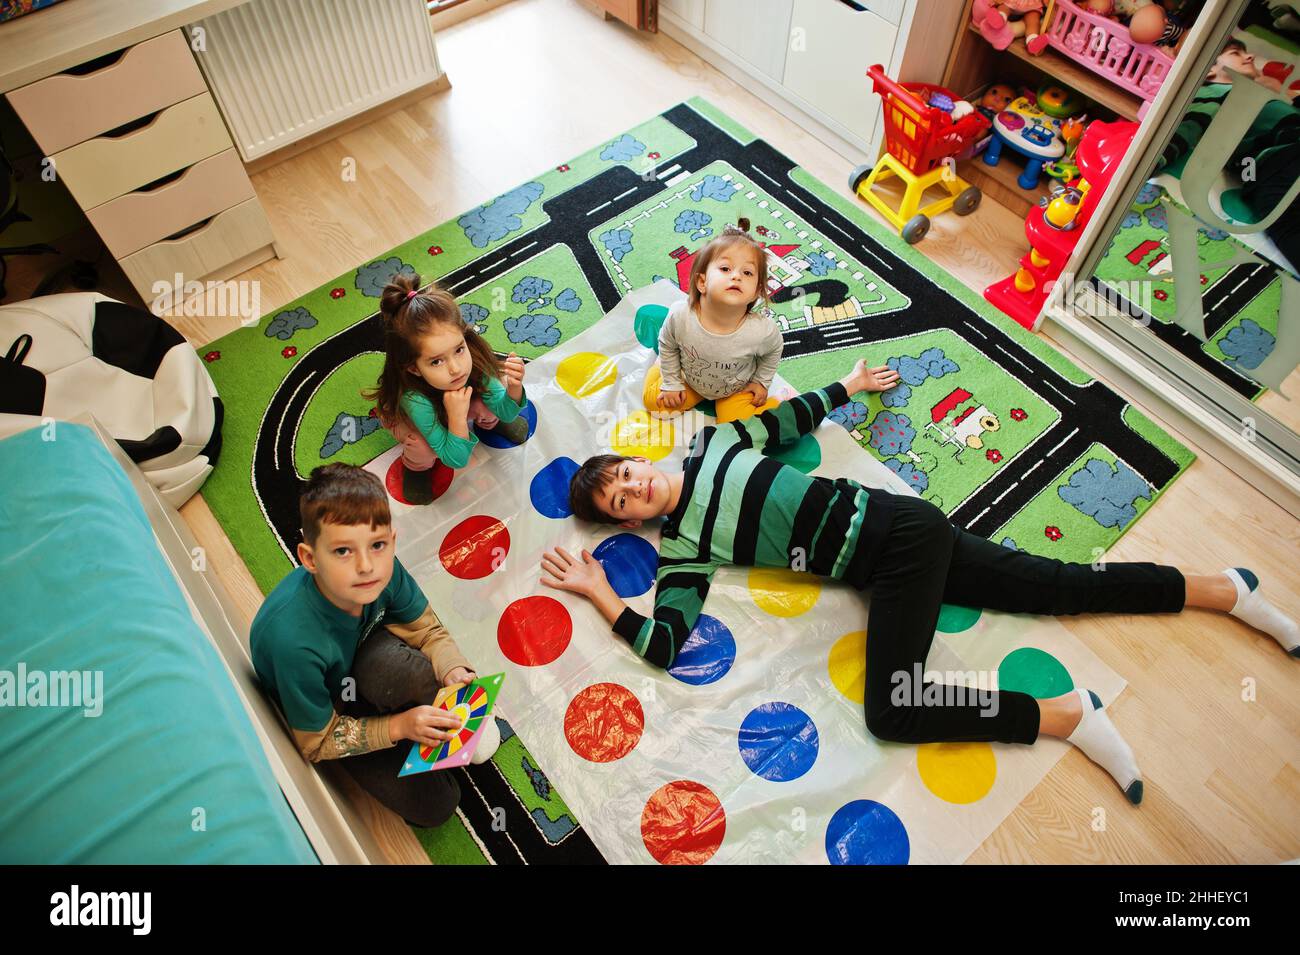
410	295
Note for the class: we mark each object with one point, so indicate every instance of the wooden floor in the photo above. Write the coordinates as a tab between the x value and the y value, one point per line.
1222	773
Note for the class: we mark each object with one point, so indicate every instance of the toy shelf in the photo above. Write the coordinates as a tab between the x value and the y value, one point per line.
999	183
973	64
1078	78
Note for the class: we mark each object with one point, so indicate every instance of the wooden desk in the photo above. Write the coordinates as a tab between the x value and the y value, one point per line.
140	143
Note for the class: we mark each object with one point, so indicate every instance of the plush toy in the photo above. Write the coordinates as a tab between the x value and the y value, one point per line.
996	26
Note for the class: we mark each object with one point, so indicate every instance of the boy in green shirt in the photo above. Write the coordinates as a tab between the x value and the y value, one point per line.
350	649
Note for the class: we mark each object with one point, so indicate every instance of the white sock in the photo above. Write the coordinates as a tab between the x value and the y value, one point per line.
1100	741
1259	613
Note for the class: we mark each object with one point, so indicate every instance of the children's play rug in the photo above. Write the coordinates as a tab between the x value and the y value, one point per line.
1009	438
508	814
753	748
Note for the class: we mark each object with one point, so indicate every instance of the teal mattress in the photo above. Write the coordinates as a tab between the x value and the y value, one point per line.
162	764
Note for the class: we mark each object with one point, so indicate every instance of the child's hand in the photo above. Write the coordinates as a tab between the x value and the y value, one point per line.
457	402
757	392
879	378
671	399
582	577
459	675
512	375
423	724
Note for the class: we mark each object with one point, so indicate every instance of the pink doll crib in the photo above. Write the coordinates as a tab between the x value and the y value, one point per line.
1104	47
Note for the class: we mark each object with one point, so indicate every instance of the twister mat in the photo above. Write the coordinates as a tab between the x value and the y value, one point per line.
753	748
992	424
509	814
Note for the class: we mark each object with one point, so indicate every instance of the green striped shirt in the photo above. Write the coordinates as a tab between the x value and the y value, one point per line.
741	506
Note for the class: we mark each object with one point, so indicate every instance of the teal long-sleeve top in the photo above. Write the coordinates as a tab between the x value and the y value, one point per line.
451	449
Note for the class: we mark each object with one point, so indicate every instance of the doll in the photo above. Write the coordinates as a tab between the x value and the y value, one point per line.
995	99
1146	19
1162	22
996	26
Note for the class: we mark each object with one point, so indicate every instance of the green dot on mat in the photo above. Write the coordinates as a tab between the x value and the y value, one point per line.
707	407
805	454
649	319
1033	671
955	619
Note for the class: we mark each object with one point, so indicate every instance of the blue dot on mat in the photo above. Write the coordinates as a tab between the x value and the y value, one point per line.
865	832
778	741
707	655
550	488
630	563
494	440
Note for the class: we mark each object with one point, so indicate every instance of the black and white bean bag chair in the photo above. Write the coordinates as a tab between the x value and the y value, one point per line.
128	368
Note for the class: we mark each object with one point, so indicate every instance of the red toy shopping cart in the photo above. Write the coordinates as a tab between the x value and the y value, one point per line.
921	143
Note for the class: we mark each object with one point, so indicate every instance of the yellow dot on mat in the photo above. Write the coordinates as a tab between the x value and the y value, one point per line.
586	373
957	772
848	665
639	435
784	593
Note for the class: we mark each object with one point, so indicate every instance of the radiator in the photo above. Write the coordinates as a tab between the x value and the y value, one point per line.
281	70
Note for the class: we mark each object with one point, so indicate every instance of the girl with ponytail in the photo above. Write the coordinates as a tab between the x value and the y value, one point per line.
440	379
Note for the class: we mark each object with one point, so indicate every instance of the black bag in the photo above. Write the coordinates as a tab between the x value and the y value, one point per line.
22	389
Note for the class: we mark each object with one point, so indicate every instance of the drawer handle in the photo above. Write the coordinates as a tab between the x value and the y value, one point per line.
163	180
134	126
98	63
856	7
189	231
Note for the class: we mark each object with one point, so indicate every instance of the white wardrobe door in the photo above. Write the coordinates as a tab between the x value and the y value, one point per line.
758	31
828	60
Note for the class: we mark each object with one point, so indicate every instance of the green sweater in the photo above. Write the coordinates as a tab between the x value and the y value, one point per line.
740	506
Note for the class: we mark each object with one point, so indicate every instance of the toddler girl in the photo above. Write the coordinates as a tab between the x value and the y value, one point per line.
714	345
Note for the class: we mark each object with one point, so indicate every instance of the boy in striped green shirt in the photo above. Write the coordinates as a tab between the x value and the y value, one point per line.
732	503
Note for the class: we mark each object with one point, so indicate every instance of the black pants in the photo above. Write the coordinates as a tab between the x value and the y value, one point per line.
927	561
391	675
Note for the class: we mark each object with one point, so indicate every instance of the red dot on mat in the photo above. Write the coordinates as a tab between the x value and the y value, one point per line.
534	631
683	823
441	479
475	547
604	722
